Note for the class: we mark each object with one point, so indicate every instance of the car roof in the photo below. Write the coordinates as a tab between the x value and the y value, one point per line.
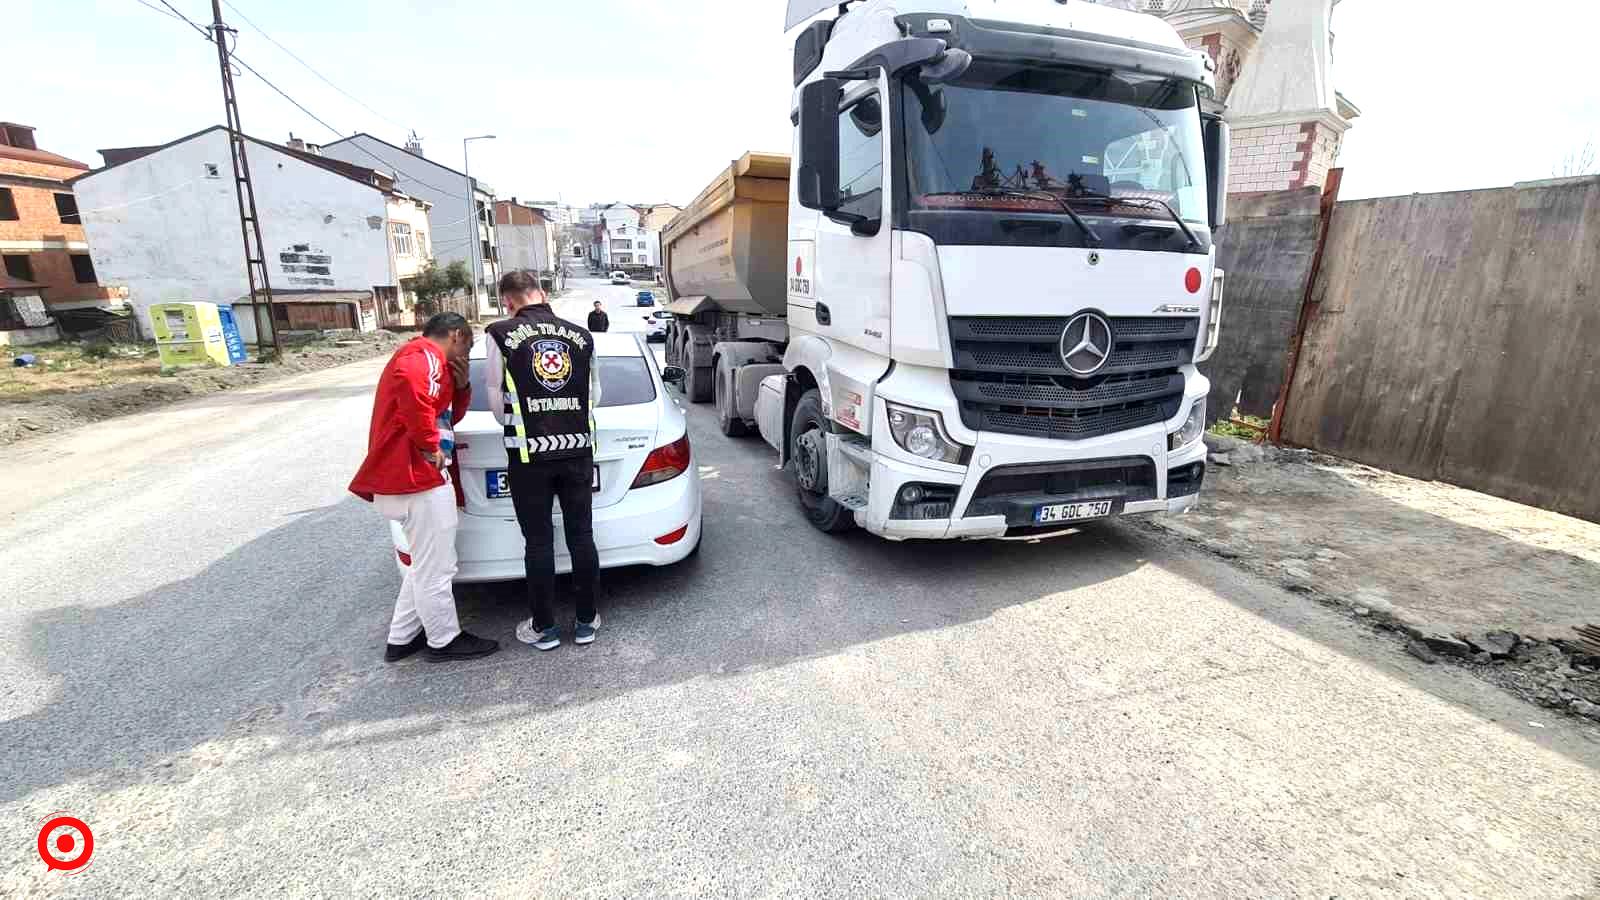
621	343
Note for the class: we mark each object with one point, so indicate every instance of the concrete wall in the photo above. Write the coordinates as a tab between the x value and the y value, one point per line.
1266	250
168	230
1457	337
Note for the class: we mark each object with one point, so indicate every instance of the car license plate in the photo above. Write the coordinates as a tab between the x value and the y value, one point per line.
1071	512
498	486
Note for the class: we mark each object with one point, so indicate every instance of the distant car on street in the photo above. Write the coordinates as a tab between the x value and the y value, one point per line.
655	325
644	298
619	277
647	501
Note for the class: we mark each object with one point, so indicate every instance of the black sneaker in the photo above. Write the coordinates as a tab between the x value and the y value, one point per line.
465	646
397	652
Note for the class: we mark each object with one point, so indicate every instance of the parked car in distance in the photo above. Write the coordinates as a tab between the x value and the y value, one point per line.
619	277
655	325
647	500
644	298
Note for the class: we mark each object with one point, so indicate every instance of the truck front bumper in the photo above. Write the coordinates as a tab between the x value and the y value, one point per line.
1010	477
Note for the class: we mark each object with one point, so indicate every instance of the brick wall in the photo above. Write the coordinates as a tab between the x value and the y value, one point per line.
39	221
1281	157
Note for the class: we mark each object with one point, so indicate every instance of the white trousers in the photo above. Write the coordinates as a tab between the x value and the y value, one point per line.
426	601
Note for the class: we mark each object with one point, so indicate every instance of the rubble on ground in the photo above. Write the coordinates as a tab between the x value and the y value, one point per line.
63	410
1453	576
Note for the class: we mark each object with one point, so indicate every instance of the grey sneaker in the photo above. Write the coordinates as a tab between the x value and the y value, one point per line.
584	632
548	639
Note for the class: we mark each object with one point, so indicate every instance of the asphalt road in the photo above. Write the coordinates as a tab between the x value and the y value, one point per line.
190	662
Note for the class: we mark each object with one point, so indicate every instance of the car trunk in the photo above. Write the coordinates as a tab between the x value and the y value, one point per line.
624	436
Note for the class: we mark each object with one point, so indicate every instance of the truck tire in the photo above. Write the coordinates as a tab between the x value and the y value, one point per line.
728	420
809	455
698	384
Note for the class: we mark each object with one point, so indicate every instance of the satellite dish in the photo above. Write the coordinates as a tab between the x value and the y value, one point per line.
801	10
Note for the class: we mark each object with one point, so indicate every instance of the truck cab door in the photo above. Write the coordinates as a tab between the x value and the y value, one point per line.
853	257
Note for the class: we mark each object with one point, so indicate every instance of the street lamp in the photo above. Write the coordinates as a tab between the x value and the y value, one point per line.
472	216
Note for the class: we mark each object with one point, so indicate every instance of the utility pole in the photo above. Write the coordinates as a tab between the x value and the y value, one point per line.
473	217
255	260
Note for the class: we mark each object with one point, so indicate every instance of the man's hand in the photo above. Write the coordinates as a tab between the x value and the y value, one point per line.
436	459
459	371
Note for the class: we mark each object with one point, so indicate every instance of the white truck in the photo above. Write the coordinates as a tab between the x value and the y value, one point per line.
971	304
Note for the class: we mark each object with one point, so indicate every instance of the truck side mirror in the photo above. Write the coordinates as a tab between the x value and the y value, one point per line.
1215	137
818	176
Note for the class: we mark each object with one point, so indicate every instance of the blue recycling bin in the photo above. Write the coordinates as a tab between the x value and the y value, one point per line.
230	335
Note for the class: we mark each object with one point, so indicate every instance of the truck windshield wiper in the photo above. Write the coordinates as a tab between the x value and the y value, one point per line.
1194	242
1090	233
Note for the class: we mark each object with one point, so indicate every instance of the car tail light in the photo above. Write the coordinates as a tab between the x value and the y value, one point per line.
664	463
672	537
405	558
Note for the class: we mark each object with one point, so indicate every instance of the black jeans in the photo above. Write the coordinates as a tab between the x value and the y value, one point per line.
533	484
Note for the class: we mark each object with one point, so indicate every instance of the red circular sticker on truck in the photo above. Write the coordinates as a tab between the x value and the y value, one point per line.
797	266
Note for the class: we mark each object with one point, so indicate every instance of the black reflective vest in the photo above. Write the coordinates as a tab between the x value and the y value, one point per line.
547	362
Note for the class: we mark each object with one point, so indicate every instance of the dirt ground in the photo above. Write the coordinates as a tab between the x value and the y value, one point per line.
66	388
1451	570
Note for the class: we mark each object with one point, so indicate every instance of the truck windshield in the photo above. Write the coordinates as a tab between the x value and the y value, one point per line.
1109	143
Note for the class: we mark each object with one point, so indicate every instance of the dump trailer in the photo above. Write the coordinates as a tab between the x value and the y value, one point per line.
969	303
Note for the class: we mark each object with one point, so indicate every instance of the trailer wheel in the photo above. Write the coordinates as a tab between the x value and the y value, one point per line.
728	420
809	453
698	384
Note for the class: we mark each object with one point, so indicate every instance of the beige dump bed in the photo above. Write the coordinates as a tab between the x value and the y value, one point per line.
731	245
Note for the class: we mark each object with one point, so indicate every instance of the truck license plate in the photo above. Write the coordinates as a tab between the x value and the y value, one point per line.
1070	512
498	486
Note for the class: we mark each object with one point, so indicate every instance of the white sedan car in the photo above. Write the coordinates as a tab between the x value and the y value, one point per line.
655	325
646	487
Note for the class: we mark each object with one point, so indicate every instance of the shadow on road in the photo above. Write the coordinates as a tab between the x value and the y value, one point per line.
162	684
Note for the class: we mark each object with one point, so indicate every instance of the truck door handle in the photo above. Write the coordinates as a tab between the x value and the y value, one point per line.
824	317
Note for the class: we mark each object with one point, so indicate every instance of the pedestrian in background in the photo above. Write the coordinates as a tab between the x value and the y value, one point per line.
598	320
542	378
423	392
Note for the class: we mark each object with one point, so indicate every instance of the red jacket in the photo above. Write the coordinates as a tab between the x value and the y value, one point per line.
415	391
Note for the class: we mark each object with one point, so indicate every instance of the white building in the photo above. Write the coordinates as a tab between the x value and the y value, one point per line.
625	243
339	239
456	234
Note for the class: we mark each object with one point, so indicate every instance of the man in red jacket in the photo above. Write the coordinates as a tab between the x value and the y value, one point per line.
423	392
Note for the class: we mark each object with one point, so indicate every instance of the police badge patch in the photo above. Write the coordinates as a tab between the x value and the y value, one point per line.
552	364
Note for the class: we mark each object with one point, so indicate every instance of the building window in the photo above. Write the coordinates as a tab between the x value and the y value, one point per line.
403	245
488	252
422	244
622	259
83	268
212	171
8	206
19	266
67	209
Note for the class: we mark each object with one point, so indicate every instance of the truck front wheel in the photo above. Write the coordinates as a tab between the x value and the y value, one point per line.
808	452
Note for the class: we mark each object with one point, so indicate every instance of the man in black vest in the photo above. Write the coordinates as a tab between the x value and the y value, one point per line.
598	320
541	369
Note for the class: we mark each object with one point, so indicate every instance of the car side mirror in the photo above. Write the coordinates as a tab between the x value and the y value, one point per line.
1215	137
674	374
817	185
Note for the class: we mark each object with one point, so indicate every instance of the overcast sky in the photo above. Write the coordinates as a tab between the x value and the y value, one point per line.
643	100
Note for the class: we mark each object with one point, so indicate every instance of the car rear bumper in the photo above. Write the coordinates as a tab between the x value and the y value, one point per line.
490	548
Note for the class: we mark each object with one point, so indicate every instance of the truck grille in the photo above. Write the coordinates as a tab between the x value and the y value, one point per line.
1009	377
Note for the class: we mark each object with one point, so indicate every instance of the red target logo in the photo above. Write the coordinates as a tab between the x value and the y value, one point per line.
65	842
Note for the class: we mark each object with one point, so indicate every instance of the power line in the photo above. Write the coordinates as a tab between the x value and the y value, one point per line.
297	105
310	68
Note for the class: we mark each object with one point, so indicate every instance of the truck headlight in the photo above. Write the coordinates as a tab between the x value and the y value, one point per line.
1193	426
920	432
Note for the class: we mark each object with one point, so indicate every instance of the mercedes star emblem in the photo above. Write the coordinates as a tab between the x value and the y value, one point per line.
1086	344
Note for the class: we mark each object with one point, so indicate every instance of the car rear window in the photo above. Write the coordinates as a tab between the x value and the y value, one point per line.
624	381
